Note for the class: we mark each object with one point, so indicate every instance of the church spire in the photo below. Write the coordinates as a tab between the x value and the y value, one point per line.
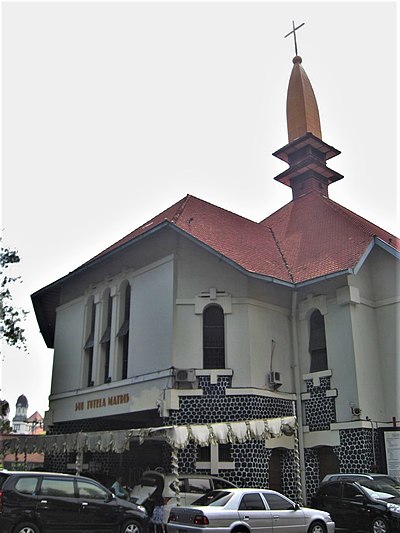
306	152
301	105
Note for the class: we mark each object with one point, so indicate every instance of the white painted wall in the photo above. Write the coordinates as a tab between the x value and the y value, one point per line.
250	324
340	348
68	343
388	317
151	325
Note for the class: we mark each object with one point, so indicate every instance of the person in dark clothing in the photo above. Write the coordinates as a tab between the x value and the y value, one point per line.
157	517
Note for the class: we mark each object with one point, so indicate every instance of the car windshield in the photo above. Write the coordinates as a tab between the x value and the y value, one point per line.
380	488
216	498
388	481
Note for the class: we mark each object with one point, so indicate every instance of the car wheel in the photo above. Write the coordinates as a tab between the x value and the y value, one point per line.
26	527
379	525
317	527
131	526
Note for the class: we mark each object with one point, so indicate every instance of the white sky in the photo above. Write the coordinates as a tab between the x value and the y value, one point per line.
112	112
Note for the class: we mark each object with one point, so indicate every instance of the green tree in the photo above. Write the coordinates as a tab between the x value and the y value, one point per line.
11	317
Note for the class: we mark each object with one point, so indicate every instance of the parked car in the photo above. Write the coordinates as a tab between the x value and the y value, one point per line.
42	502
245	511
363	505
378	477
190	486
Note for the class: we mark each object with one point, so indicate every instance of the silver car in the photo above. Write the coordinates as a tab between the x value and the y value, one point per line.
247	511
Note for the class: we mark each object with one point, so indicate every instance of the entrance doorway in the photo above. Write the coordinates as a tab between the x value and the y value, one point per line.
275	470
328	461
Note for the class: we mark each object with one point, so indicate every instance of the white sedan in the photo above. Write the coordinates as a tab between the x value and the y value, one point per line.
247	511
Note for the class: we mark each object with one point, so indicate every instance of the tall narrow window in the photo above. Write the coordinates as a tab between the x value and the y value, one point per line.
317	347
123	333
106	340
213	337
89	345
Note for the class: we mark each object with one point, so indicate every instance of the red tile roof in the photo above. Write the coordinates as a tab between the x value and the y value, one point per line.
36	417
310	237
319	237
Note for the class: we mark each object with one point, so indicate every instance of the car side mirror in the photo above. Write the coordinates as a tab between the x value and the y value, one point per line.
296	507
111	496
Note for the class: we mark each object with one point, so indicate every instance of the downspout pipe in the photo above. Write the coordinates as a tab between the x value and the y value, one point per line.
297	384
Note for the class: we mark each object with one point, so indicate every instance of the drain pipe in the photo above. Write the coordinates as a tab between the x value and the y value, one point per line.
297	384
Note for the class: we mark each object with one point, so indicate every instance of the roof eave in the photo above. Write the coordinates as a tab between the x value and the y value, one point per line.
231	262
375	241
324	277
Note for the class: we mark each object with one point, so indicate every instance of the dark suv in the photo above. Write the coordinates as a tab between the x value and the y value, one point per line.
362	505
41	502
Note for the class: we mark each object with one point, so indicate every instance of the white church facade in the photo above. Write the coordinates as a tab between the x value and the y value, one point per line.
203	316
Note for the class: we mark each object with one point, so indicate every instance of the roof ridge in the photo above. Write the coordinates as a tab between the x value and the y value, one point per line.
285	262
180	209
357	219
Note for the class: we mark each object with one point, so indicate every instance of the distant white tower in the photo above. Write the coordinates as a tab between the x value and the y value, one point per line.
19	421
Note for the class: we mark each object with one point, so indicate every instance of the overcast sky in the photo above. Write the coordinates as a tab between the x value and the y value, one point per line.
112	112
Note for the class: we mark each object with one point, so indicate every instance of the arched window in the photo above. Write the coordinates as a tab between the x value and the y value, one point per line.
317	347
213	337
123	333
89	344
106	337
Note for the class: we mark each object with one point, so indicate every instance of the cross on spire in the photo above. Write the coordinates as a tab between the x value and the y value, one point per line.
294	35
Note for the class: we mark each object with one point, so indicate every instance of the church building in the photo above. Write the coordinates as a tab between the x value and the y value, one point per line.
202	316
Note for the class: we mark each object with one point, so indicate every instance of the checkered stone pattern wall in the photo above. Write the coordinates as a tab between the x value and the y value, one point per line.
289	475
320	410
216	406
356	453
312	472
57	462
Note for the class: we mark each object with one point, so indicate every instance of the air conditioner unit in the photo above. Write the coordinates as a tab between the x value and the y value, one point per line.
274	378
187	375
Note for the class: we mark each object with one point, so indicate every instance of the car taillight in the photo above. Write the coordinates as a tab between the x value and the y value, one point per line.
200	520
172	517
1	500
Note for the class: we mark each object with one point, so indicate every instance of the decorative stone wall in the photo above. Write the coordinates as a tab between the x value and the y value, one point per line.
312	472
320	410
215	406
356	453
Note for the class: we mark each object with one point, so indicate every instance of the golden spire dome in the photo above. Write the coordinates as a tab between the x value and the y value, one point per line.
301	105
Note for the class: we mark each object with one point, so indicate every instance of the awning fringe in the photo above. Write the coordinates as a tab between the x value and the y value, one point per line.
177	436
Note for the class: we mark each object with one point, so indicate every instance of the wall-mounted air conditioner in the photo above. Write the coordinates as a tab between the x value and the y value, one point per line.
187	375
274	378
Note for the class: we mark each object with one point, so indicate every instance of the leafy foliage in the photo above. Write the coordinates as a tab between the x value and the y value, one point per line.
11	318
4	408
5	427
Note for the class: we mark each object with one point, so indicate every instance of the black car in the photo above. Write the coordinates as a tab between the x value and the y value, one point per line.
41	502
362	505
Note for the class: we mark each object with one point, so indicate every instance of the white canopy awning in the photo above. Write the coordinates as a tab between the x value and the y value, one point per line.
178	437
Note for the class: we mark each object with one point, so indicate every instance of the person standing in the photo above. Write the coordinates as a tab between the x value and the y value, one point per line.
157	517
